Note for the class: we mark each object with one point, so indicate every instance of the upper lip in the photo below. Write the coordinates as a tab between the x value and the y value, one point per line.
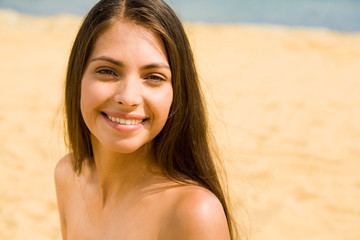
126	116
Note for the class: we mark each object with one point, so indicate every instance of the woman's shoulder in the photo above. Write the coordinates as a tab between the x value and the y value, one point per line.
64	184
196	213
64	171
64	165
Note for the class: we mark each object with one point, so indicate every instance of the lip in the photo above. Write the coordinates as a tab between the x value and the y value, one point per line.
128	116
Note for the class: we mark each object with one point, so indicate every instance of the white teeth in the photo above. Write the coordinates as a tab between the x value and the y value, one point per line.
124	121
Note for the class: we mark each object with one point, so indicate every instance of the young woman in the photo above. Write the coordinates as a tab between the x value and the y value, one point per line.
141	165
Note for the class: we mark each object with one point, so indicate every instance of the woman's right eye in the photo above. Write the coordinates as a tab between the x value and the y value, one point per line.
105	71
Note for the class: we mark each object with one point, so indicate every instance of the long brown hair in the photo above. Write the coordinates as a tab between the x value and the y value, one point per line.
182	148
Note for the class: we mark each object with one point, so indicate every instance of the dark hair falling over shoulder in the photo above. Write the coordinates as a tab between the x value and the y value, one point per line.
182	148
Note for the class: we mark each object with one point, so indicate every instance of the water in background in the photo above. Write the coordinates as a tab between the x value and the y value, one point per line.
342	15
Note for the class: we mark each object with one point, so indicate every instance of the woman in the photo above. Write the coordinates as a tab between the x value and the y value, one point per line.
141	165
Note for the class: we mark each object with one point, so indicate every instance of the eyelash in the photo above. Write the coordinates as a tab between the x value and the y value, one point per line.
155	78
111	73
106	71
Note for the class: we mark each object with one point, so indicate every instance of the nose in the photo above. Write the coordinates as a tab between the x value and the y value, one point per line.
128	92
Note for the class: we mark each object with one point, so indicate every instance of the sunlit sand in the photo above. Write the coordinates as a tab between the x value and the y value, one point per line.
284	106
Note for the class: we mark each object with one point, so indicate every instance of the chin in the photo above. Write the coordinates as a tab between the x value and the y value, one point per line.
130	148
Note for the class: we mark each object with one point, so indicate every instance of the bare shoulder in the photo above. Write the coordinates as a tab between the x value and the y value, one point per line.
196	213
63	170
64	178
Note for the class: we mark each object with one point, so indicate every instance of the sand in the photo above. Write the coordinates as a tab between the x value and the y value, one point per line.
284	105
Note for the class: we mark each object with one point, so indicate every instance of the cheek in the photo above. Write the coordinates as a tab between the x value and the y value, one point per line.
169	101
158	103
91	96
85	106
163	103
85	99
165	96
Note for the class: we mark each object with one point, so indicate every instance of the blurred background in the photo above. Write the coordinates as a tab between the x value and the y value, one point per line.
342	15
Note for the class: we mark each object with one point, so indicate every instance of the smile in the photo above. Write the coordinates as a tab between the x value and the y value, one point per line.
124	121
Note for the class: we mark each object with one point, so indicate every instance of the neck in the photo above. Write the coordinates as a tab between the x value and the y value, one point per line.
118	175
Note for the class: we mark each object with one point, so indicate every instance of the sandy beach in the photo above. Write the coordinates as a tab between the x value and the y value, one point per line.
284	106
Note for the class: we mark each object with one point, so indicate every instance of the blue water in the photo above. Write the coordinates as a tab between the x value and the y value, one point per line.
341	15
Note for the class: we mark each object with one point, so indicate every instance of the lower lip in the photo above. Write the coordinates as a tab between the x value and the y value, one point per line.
123	127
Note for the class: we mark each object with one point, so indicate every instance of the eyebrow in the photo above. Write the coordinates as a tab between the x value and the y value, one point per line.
121	64
107	59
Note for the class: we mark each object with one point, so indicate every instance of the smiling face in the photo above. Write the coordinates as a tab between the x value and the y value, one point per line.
126	90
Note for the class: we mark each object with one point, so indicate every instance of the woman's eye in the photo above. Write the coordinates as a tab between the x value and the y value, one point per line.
155	78
106	72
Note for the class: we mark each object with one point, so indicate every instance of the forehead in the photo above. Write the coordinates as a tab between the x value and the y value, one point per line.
126	36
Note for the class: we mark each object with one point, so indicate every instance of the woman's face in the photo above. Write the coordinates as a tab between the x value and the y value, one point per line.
126	90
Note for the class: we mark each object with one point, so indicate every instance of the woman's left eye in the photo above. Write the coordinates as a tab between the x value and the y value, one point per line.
155	78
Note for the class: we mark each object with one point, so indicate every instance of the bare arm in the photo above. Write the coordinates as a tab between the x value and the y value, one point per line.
62	174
